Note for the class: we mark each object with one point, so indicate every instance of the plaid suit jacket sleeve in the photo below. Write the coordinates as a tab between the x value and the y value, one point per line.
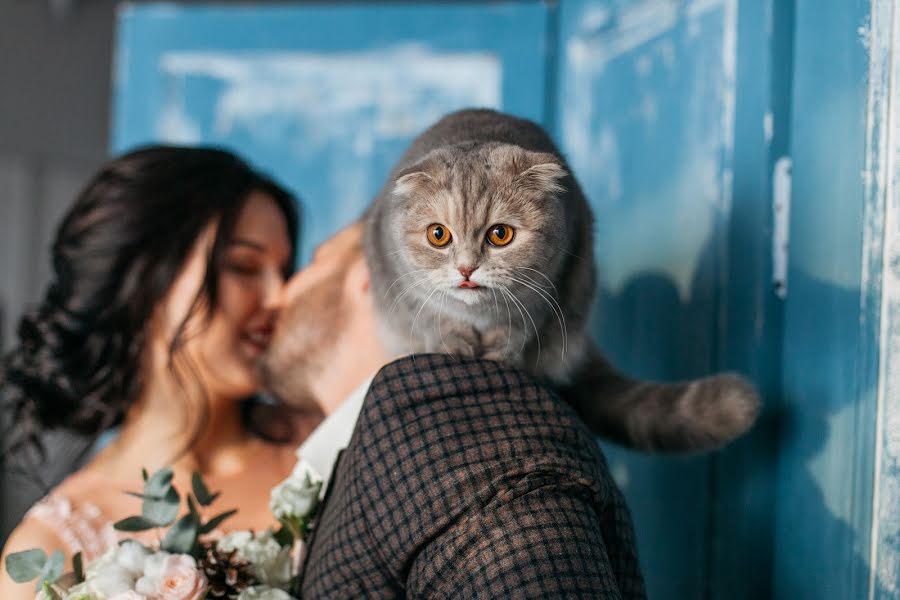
467	479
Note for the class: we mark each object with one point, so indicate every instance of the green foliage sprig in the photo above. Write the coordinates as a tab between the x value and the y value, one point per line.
160	507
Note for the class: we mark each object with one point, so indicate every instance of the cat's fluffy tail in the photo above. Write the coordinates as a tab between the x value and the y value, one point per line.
691	416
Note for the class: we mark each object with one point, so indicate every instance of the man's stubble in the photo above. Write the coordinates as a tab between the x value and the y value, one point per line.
305	340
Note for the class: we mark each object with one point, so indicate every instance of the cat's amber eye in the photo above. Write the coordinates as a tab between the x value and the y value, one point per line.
500	235
438	235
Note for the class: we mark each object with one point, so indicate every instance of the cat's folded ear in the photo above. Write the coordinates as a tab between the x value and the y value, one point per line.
417	183
416	180
543	174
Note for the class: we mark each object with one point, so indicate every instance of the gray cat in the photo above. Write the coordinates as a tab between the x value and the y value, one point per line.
480	244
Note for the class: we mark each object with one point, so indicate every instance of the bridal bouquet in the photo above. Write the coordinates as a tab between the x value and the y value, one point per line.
187	563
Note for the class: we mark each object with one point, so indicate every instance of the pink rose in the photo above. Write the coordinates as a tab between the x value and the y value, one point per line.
172	577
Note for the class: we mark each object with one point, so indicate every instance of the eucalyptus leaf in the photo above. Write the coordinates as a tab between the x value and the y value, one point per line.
162	511
216	521
192	506
25	566
204	497
135	524
182	537
159	484
53	568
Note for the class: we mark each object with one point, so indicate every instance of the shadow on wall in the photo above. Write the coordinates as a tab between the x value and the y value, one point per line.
650	331
817	484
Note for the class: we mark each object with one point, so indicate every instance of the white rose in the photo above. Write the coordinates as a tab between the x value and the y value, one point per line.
110	581
131	555
297	496
113	574
172	576
269	562
263	592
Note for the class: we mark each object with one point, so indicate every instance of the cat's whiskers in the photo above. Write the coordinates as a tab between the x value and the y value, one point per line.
555	291
440	317
508	323
397	300
496	304
518	303
407	274
424	302
385	255
554	306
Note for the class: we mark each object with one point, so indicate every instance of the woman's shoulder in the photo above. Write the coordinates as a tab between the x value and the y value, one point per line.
72	519
31	533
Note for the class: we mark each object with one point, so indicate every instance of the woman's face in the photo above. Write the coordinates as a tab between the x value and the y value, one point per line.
224	349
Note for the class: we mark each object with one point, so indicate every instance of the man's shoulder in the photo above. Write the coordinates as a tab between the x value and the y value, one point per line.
449	383
465	415
440	438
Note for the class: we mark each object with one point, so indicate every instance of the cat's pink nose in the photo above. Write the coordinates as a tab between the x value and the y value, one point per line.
467	271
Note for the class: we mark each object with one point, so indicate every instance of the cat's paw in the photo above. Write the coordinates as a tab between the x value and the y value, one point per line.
460	340
496	344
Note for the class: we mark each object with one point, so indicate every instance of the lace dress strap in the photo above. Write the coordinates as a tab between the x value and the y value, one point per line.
82	528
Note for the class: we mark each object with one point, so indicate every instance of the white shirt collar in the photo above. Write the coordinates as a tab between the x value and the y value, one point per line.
322	447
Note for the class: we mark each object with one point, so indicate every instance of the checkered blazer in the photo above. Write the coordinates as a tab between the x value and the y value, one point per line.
467	479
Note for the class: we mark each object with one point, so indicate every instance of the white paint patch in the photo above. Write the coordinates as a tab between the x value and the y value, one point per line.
728	83
697	194
643	65
769	127
781	225
176	127
699	8
882	232
325	88
607	154
594	18
346	106
636	23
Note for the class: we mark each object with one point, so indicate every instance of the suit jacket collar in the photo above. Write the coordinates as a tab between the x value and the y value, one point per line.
322	447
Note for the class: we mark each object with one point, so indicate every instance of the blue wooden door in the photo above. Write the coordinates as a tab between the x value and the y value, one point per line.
325	98
837	502
676	166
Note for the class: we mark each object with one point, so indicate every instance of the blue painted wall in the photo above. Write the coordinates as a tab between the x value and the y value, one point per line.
324	97
646	115
675	115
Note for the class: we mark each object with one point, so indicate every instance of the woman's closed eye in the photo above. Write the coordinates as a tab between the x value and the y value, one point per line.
244	268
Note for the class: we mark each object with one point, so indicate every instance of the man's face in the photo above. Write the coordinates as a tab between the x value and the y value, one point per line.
311	322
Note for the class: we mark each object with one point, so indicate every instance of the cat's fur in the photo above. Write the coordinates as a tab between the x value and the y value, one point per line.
477	168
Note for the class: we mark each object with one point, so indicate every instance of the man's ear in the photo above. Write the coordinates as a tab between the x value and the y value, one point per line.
357	282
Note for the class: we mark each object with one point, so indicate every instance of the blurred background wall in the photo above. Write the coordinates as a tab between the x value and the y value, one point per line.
54	128
707	133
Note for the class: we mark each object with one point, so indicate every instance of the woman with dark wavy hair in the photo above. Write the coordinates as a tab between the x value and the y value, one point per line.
167	278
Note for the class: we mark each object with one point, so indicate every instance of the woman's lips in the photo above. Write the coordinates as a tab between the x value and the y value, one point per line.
258	340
